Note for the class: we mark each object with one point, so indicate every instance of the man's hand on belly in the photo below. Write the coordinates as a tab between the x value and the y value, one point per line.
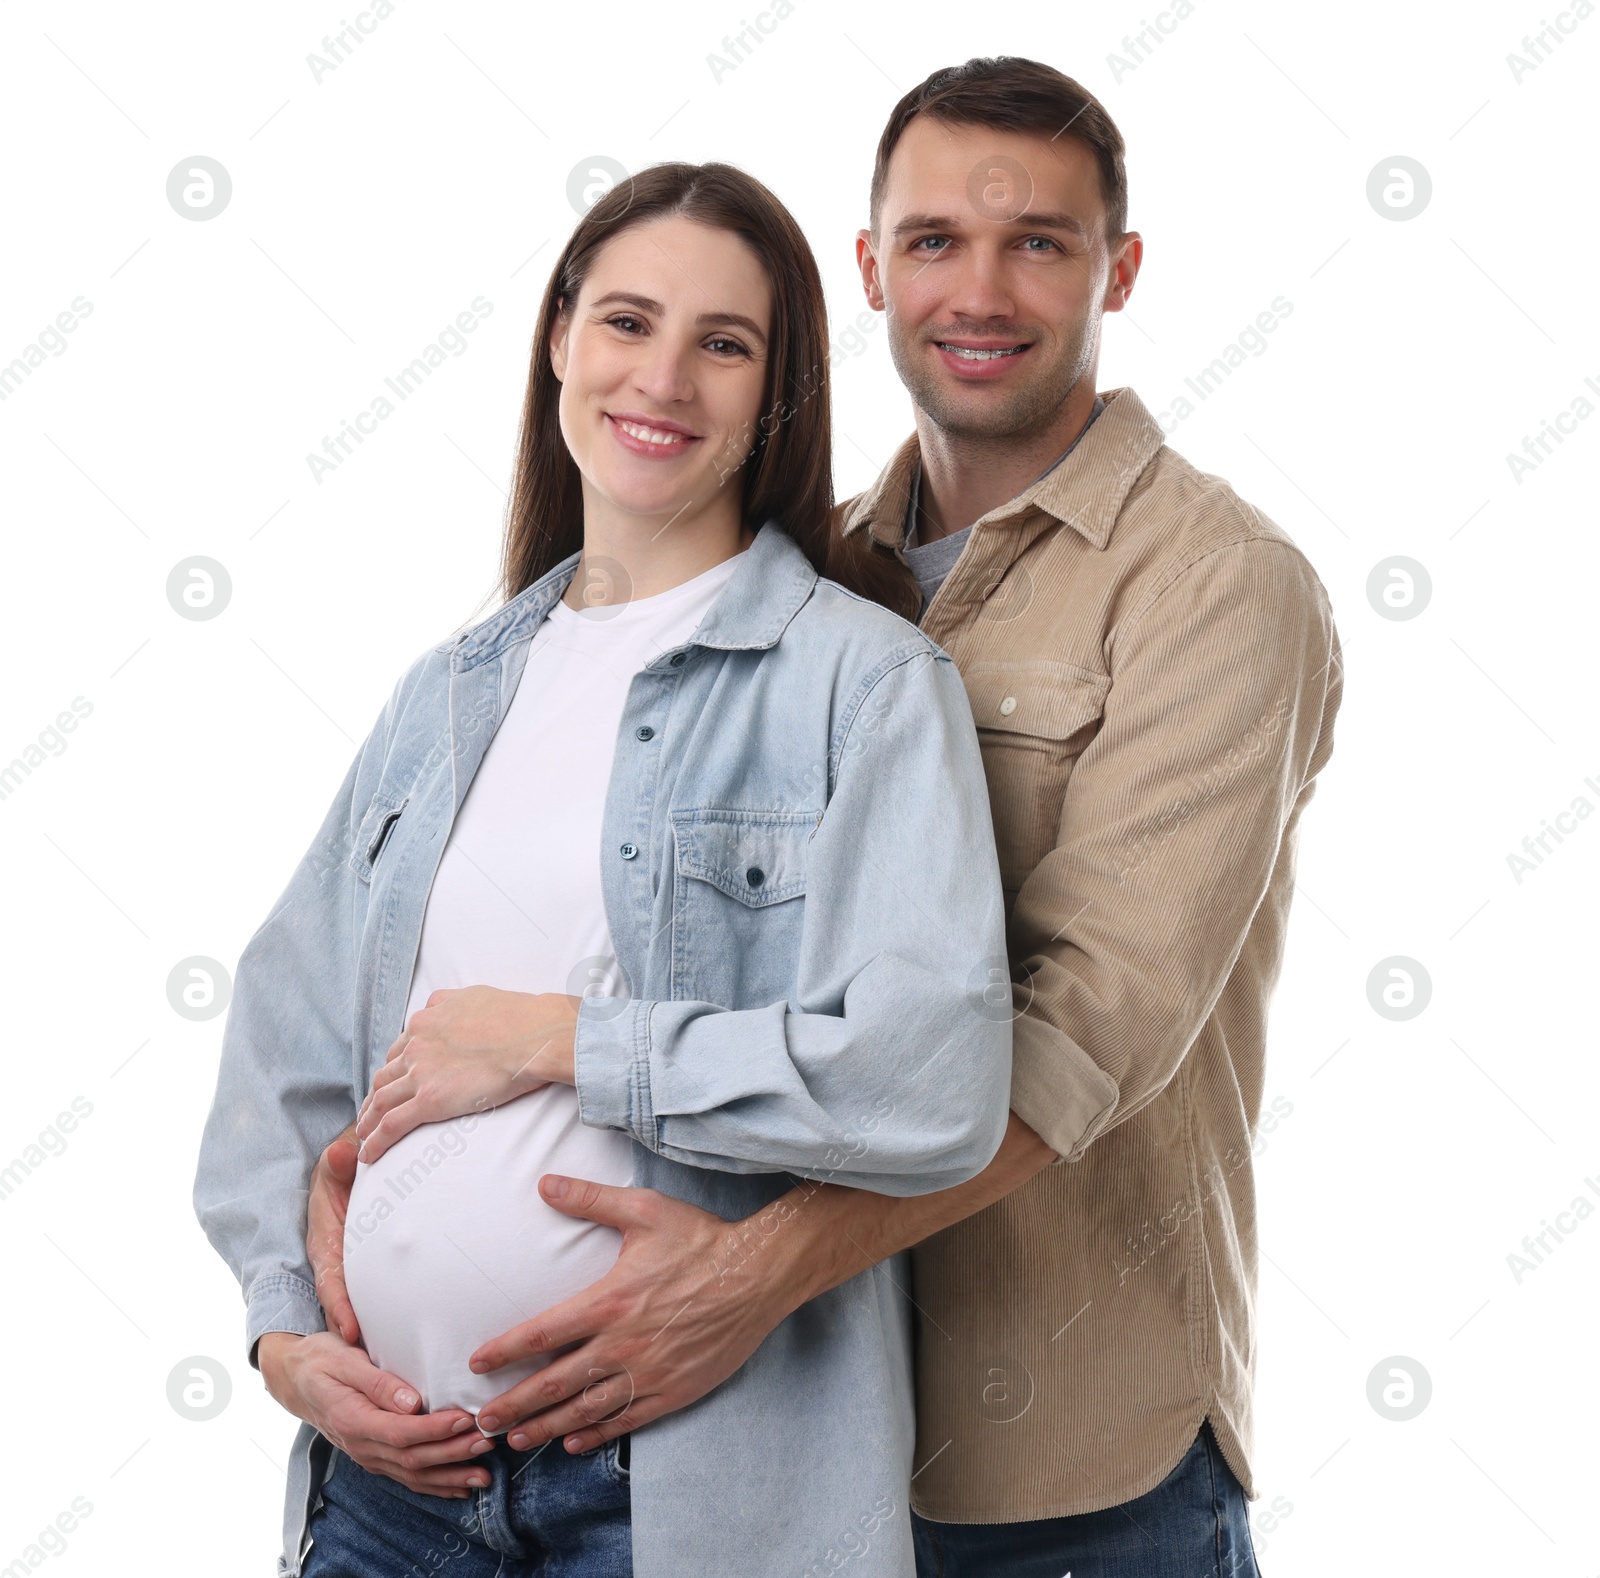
467	1050
691	1296
676	1316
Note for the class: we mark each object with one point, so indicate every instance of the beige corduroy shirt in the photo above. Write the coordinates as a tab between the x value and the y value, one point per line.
1154	671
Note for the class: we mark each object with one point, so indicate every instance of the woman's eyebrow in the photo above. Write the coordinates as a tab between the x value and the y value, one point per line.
733	320
628	298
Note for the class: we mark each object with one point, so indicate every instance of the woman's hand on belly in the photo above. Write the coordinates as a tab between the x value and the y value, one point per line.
371	1415
326	1208
469	1049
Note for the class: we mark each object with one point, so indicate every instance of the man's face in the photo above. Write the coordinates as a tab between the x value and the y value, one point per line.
992	261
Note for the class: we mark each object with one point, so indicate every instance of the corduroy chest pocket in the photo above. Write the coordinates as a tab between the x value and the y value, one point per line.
1035	719
738	904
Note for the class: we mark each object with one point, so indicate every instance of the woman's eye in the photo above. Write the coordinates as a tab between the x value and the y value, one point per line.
626	322
723	346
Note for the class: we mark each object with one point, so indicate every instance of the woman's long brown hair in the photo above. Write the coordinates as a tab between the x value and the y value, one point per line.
788	476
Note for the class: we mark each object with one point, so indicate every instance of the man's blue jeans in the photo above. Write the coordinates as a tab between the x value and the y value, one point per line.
1194	1524
544	1514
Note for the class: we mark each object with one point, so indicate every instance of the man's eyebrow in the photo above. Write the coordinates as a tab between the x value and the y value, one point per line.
627	298
1033	219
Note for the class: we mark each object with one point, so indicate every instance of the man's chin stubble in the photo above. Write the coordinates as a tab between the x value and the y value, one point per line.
1028	410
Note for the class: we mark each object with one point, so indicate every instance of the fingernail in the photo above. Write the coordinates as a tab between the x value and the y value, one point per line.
481	1446
480	1480
406	1399
477	1366
521	1443
573	1443
488	1422
556	1188
460	1425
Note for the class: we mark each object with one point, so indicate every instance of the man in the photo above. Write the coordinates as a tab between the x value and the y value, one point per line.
1154	672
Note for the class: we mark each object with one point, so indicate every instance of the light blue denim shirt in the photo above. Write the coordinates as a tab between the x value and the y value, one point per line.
800	877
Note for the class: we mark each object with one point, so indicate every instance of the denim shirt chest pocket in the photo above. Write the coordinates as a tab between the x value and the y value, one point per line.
738	903
374	832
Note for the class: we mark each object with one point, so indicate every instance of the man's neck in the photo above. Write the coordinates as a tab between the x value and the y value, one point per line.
964	477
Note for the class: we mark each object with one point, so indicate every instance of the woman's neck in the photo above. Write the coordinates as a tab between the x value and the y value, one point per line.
626	556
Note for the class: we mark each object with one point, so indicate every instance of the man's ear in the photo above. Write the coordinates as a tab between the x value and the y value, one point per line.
558	342
867	262
1125	260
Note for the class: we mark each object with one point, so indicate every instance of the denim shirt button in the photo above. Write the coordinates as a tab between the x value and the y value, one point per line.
755	876
678	659
644	732
629	851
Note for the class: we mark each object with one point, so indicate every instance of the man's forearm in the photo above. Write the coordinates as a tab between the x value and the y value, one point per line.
824	1234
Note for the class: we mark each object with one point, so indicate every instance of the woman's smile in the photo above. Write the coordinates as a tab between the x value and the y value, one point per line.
653	437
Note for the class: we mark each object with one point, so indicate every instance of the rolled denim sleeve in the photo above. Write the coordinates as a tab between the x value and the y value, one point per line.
285	1083
890	1069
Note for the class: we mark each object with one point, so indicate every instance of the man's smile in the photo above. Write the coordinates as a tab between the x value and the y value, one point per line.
969	358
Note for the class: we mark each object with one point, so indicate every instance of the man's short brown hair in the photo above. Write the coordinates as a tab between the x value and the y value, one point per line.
1009	93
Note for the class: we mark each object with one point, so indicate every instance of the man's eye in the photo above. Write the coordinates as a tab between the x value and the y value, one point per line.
930	244
1040	243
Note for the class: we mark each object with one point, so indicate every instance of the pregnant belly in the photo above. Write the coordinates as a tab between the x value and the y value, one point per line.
447	1242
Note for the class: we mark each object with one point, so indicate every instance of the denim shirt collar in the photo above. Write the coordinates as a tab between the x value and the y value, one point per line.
767	589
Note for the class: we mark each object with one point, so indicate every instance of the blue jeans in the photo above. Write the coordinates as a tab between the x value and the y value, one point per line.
544	1514
1194	1524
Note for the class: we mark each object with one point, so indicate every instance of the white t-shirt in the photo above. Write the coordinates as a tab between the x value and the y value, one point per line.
447	1242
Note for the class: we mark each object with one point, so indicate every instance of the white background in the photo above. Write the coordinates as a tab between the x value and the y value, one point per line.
371	207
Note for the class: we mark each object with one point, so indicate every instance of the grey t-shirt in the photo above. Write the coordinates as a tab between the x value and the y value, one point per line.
932	561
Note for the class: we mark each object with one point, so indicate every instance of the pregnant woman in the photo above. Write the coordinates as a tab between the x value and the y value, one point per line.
675	871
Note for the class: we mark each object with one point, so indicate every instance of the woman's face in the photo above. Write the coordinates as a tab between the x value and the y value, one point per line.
662	361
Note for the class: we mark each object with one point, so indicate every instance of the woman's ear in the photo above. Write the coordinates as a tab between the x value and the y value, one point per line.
558	342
